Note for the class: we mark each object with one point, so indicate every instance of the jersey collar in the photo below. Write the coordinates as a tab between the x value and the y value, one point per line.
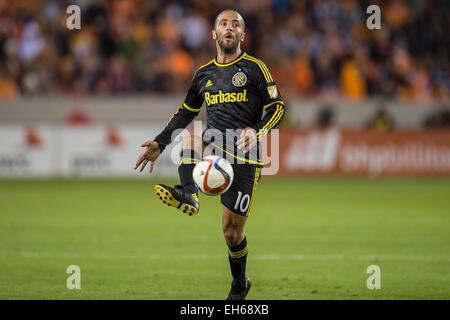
230	63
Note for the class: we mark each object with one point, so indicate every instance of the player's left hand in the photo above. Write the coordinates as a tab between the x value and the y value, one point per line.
247	139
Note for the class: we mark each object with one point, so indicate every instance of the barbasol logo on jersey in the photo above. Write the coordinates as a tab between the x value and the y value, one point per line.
222	97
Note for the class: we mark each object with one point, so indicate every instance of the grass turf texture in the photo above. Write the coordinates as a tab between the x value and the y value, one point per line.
309	238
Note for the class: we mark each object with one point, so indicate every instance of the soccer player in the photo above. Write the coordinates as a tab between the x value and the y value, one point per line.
236	89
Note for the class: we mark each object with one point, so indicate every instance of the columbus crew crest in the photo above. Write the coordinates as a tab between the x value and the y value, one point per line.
239	79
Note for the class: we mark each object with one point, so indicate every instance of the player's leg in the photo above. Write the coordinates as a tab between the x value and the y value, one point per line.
184	196
191	154
233	229
237	203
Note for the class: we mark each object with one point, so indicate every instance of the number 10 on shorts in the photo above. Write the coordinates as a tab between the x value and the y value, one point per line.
242	202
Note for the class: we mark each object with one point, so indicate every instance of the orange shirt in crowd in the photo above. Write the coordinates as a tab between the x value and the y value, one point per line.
353	84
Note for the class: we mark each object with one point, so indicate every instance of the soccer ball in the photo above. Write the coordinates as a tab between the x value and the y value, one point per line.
213	175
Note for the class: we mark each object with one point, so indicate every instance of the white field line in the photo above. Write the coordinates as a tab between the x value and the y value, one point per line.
265	257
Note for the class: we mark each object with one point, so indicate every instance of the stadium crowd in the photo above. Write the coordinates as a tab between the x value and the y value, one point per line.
312	48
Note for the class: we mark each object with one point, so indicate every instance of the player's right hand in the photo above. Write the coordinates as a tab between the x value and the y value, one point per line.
151	153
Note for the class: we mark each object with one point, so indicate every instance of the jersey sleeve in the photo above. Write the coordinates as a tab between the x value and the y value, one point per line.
272	102
183	116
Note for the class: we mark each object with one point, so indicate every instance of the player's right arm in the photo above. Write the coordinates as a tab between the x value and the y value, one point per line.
179	120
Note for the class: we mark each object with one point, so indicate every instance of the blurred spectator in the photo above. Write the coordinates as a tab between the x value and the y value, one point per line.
438	119
353	83
8	88
381	121
325	117
313	48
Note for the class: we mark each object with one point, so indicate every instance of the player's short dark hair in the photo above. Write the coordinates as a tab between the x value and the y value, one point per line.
217	15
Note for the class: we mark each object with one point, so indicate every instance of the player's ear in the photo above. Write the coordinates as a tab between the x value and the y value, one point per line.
242	36
214	34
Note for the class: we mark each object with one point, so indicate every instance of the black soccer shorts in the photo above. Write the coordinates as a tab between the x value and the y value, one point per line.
239	197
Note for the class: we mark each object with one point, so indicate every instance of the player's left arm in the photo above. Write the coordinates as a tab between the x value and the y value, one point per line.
273	104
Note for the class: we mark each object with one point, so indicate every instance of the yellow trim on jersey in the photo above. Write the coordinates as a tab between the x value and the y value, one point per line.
255	182
228	64
264	132
272	122
275	114
262	66
274	117
178	110
266	75
270	126
191	109
206	64
259	138
236	157
268	105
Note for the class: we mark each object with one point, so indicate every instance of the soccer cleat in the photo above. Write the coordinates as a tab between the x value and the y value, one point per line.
243	294
179	198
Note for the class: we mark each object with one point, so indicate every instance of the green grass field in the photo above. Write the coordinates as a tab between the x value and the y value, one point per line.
309	238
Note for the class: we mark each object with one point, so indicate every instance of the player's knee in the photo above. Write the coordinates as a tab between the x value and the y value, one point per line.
232	236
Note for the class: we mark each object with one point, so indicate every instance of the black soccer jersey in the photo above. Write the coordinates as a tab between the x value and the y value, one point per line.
235	95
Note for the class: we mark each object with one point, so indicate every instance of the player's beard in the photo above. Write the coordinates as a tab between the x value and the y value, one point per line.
230	47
